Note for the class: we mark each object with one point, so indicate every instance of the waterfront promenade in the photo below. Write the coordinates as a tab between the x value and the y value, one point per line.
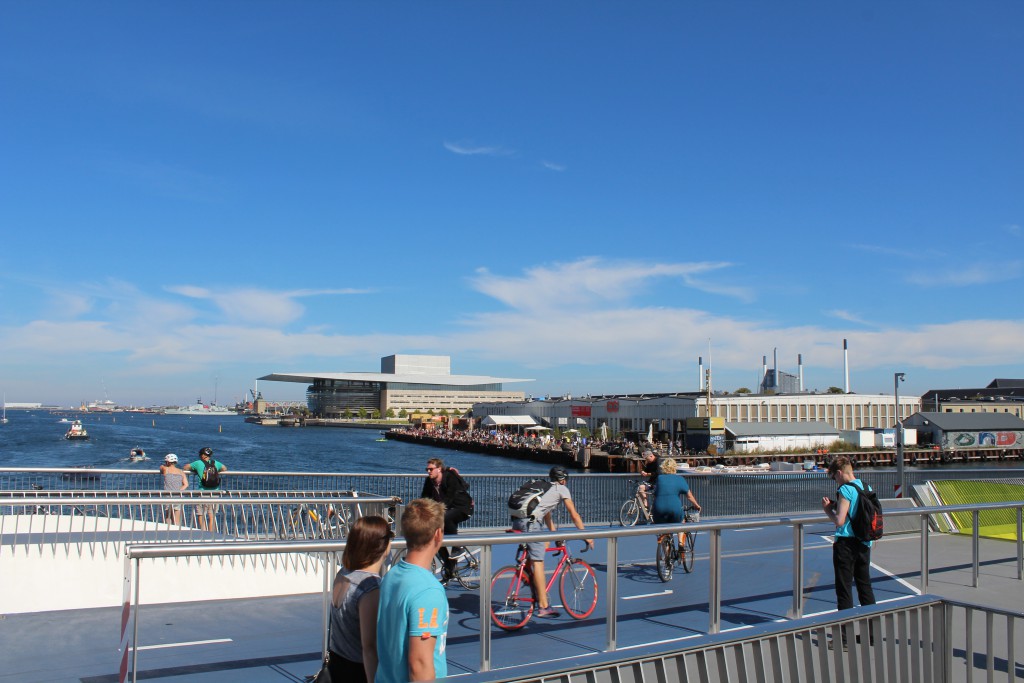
277	639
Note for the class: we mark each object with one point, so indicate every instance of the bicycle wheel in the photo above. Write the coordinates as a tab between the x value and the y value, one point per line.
664	556
467	569
686	552
630	512
510	606
578	589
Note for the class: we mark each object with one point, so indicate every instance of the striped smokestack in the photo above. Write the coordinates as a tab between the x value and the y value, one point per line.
846	368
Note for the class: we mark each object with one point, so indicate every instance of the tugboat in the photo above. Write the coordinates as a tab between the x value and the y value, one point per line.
76	431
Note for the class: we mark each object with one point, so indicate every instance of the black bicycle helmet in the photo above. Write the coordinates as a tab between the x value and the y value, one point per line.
558	473
207	451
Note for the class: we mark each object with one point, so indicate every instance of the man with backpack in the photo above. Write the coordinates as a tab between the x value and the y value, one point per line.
857	517
208	471
533	504
446	486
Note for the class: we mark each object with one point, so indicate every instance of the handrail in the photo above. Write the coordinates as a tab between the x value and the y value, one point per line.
135	553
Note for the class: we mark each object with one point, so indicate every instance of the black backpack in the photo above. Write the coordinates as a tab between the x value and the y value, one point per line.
867	524
211	476
523	502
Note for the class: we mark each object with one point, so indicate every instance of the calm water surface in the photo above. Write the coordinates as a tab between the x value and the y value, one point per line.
36	439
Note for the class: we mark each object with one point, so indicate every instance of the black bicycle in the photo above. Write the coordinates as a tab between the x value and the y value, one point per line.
670	552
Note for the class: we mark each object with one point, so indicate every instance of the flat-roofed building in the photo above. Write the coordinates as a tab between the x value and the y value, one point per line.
405	382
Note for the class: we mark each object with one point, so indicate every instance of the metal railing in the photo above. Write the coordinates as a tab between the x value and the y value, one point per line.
135	554
917	639
598	496
63	517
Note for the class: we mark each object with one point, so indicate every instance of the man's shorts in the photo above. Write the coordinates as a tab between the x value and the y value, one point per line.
534	550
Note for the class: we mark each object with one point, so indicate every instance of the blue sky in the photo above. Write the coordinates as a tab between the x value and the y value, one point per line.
588	194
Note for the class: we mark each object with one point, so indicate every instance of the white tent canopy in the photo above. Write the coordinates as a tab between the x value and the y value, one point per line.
518	420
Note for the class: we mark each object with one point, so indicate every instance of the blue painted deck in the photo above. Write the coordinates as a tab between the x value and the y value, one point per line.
277	639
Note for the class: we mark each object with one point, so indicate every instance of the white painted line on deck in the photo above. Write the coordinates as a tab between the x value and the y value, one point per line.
647	595
913	589
194	642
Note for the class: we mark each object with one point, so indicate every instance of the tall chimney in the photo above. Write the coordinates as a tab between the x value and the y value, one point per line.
700	373
800	368
775	369
846	368
764	371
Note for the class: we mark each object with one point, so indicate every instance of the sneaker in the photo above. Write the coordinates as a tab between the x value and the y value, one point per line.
548	612
457	552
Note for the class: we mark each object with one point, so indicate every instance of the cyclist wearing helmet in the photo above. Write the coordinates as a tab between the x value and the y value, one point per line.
558	493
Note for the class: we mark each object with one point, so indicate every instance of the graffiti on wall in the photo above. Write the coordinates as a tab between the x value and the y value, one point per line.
963	440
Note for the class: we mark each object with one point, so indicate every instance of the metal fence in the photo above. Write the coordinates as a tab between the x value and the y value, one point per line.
65	517
918	639
135	554
598	496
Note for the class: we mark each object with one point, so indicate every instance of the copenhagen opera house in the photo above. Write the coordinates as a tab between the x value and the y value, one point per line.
412	383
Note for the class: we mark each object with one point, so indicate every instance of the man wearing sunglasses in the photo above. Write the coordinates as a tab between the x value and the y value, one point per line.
446	486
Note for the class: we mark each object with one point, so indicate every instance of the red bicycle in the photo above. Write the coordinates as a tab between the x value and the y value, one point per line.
512	601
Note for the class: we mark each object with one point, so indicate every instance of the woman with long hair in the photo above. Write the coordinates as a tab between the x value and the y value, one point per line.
354	602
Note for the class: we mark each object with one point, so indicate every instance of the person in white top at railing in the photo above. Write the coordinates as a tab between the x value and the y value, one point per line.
176	481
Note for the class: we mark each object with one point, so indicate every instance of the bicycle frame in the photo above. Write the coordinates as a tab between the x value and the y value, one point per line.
512	608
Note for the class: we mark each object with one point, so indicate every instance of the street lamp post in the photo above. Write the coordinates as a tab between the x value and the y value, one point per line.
897	378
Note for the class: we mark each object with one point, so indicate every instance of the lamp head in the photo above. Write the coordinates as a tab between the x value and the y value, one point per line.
901	376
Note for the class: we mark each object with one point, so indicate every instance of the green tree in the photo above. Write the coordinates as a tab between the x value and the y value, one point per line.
443	412
743	390
375	414
430	412
391	413
835	390
348	413
362	413
403	413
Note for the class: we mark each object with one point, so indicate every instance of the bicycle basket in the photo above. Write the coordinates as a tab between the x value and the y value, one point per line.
692	516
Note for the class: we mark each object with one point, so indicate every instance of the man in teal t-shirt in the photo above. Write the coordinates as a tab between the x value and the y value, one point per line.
851	557
412	620
206	511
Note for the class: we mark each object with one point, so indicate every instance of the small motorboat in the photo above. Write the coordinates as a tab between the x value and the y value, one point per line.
137	454
76	431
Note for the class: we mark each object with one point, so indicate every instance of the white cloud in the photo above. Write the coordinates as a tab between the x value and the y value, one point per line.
553	166
847	316
592	281
470	149
966	276
259	306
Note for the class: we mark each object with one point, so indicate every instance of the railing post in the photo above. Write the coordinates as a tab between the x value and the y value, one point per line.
975	547
613	593
485	607
135	624
330	564
798	571
715	583
924	553
1020	547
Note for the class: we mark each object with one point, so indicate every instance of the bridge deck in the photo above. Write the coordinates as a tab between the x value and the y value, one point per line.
277	639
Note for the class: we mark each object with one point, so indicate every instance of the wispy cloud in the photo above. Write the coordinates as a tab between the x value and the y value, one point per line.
470	149
842	314
591	281
961	276
260	306
1015	230
903	253
553	166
